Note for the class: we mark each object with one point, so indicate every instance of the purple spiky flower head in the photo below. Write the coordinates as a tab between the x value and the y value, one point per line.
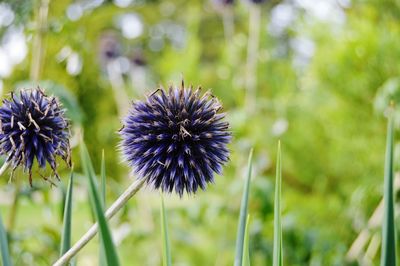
224	2
33	125
258	1
176	139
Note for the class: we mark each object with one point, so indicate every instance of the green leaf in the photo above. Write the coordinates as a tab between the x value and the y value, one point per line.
246	250
277	253
164	231
107	242
103	180
67	218
5	254
102	255
388	253
243	215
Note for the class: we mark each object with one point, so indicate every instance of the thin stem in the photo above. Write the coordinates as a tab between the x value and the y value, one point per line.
252	56
115	207
38	46
228	23
14	206
4	167
118	86
35	71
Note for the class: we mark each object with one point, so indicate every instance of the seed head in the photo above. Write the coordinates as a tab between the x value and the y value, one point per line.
32	124
176	139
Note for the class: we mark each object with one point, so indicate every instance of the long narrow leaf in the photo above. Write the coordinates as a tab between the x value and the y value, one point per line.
102	255
243	214
277	255
5	254
164	231
103	180
107	242
388	253
67	218
246	250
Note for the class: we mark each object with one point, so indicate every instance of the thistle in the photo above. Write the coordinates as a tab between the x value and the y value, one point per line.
32	124
224	2
258	1
176	139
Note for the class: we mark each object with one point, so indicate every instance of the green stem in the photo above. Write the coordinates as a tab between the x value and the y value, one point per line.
14	206
252	56
111	211
38	49
228	23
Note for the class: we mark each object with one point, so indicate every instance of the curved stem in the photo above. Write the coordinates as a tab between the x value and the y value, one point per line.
115	207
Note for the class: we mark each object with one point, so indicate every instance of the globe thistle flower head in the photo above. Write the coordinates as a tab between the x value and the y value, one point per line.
32	125
176	139
224	2
258	1
109	47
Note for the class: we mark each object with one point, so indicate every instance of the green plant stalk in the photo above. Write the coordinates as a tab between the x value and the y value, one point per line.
167	261
388	251
277	253
252	56
38	50
67	220
228	23
5	254
102	255
95	198
246	248
35	72
118	87
243	214
4	168
14	206
111	211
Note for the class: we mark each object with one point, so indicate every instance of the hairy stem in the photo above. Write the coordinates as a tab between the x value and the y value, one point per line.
115	207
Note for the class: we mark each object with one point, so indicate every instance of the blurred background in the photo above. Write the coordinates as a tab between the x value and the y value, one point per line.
318	75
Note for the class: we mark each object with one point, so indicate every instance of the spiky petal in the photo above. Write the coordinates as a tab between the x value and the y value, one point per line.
176	139
33	125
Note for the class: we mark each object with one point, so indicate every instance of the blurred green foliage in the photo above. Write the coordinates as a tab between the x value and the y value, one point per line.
326	73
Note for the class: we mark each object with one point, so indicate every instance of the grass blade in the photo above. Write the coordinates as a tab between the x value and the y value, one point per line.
243	215
277	253
67	218
164	231
388	253
246	248
107	242
102	255
5	254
